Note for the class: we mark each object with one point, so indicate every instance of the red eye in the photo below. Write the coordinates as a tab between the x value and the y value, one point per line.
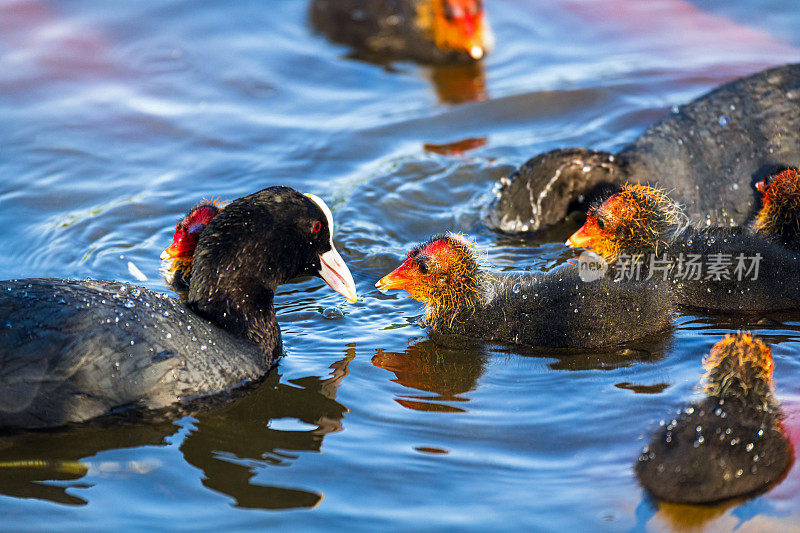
317	226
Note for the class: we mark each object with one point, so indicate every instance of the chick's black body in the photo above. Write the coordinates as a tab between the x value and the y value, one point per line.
731	443
75	350
739	271
714	451
708	155
559	310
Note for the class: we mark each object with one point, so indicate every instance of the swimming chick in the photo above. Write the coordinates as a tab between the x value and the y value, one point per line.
430	31
729	444
642	232
551	310
779	216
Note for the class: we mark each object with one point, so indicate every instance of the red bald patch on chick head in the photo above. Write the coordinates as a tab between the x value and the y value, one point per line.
464	13
442	272
418	272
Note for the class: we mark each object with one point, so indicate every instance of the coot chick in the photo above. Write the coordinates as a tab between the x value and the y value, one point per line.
551	310
708	154
643	233
732	442
779	216
430	31
184	241
75	350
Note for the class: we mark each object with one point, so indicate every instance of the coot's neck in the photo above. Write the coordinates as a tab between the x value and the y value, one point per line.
234	286
672	241
711	240
785	233
245	312
759	403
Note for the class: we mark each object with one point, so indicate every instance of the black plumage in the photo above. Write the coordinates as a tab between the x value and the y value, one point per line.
75	350
753	273
708	154
558	309
729	444
644	235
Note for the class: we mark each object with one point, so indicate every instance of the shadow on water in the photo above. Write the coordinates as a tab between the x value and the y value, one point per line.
229	445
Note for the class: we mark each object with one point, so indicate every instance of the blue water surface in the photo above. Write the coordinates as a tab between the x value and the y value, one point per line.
116	117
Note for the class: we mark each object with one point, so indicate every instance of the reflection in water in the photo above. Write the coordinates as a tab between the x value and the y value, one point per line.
32	461
456	147
446	371
450	365
681	517
608	359
230	445
40	43
656	388
459	84
728	516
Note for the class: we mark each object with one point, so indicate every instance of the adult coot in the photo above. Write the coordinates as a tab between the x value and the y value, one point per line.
556	309
708	154
431	31
75	350
729	444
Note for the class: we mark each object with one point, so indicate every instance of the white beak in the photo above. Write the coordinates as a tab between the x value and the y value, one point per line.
336	274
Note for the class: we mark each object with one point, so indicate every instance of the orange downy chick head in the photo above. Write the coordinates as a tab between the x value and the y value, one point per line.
442	272
779	215
458	25
637	219
187	232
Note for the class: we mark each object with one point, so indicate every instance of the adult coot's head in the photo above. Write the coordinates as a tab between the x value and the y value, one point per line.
258	242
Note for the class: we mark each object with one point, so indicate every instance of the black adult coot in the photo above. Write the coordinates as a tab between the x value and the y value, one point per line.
551	310
430	31
75	350
708	155
729	444
643	233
